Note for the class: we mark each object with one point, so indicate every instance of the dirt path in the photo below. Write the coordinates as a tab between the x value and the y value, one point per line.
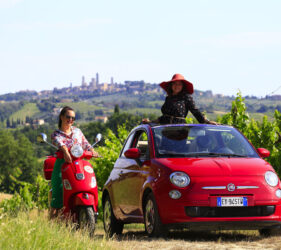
195	240
4	196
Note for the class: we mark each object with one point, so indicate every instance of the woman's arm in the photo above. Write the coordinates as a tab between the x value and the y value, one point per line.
66	154
196	112
58	140
87	146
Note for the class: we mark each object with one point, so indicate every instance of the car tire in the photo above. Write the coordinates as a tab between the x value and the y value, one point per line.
110	223
152	221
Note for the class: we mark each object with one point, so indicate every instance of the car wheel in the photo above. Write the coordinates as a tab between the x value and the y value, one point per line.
152	221
110	223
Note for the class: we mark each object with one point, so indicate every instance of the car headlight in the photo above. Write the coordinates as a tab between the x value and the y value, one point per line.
76	150
180	179
271	178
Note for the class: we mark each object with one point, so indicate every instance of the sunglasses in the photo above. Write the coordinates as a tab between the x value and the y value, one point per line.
68	117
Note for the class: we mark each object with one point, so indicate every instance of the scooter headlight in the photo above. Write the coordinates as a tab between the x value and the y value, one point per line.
271	178
76	150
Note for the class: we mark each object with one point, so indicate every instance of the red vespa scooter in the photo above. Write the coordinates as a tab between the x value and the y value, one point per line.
80	191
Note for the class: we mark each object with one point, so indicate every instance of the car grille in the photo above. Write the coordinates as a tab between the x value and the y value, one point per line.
229	211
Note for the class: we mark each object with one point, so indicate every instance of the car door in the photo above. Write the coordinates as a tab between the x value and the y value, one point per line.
116	177
132	175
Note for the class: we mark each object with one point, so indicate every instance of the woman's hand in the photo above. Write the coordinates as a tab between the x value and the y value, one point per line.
95	154
145	121
66	155
213	123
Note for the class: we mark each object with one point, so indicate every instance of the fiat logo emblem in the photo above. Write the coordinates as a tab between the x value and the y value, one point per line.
230	187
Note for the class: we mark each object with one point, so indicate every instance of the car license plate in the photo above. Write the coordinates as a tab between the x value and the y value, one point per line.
232	202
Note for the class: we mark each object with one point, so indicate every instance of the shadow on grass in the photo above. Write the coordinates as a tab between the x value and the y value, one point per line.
194	236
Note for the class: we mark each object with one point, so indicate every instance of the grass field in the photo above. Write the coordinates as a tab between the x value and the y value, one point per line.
143	111
29	109
35	231
83	107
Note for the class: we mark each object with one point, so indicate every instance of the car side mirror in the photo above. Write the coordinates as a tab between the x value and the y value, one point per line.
133	153
264	153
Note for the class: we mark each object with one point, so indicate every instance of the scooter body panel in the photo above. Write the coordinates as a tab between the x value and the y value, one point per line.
78	180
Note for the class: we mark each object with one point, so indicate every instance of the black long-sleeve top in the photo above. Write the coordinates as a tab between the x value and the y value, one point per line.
175	109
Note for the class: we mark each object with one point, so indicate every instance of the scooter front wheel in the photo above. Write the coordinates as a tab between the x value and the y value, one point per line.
86	219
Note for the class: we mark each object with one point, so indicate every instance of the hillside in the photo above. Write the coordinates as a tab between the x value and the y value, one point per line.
140	98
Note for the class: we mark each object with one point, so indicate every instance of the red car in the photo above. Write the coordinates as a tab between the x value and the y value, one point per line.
197	176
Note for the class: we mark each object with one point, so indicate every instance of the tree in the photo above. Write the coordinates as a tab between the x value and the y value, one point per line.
116	109
8	123
9	171
17	161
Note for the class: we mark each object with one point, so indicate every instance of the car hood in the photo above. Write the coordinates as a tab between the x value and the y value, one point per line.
216	166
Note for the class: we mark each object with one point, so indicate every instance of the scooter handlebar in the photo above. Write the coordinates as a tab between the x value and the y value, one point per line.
87	154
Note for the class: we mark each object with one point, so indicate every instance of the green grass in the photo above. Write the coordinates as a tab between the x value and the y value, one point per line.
29	109
35	231
29	231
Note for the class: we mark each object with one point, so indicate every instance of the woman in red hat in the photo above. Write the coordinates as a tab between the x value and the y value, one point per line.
178	102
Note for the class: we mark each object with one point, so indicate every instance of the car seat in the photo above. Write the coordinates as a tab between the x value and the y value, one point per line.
203	143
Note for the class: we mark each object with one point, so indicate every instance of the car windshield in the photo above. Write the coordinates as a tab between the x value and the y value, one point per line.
201	141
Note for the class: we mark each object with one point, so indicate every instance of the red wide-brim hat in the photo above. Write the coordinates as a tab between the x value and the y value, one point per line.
178	77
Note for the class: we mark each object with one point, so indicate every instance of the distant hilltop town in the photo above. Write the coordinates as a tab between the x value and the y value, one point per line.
95	88
92	89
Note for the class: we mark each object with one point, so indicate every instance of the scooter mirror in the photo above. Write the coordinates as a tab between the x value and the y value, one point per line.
98	137
42	138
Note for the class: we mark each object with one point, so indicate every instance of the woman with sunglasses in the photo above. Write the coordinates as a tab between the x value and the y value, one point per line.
64	138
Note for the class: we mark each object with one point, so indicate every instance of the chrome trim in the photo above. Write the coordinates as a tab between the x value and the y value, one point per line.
247	187
224	187
215	187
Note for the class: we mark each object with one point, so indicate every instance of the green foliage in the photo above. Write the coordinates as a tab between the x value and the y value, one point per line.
29	196
109	153
262	134
238	117
17	161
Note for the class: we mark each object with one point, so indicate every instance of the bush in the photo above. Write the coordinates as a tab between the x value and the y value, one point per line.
263	134
29	196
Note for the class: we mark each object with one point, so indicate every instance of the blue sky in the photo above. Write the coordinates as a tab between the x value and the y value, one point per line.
219	45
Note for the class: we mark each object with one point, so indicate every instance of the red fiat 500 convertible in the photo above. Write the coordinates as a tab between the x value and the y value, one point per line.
200	177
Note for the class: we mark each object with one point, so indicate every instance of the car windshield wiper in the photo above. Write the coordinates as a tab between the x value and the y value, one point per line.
214	154
198	154
171	154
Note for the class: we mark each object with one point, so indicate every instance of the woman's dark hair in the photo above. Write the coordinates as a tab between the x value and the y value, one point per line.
170	91
62	112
